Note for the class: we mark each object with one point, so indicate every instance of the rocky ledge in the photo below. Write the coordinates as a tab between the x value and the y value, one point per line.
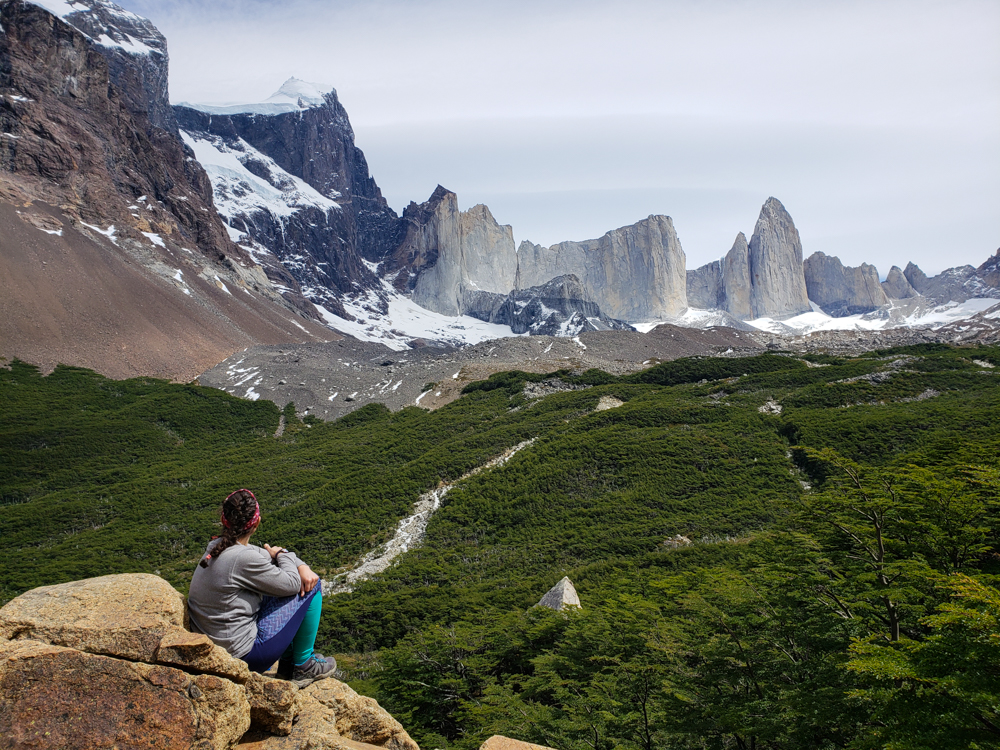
108	662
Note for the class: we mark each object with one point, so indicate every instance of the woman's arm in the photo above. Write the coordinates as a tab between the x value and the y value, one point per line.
255	571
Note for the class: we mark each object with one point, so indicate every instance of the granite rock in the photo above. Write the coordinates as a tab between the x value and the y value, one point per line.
896	285
273	703
54	697
635	273
736	280
778	287
118	615
558	308
499	742
448	253
359	718
195	652
842	290
561	596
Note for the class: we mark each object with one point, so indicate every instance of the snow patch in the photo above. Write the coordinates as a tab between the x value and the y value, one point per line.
156	240
295	95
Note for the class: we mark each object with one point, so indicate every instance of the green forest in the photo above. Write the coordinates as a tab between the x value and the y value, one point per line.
782	551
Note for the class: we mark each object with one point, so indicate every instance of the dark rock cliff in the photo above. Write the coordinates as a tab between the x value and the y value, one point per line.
75	138
324	240
557	308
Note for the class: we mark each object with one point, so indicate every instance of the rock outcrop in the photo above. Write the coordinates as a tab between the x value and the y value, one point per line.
561	596
106	662
778	287
499	742
55	697
724	284
112	255
447	254
760	279
290	182
896	285
635	273
956	284
842	290
558	308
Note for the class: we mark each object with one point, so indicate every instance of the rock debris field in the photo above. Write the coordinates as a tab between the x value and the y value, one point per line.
333	379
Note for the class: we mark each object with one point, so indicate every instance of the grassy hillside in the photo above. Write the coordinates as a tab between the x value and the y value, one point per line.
775	628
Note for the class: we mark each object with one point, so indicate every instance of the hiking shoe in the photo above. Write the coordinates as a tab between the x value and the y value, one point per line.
317	667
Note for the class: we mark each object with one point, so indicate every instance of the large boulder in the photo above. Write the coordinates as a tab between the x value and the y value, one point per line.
194	652
118	615
55	697
561	596
360	718
499	742
273	703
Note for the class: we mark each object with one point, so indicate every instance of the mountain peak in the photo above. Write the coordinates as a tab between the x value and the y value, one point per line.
299	92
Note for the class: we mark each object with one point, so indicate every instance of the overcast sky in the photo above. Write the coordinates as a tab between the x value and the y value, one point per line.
876	122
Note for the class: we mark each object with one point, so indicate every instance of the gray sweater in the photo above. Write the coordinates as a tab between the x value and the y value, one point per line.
225	597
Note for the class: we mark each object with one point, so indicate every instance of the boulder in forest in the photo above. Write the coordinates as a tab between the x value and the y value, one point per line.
560	596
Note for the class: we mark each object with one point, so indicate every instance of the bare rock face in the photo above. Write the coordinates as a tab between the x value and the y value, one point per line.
558	308
635	273
778	287
82	130
118	615
499	742
989	272
448	253
560	596
736	280
305	199
273	703
704	287
359	718
195	652
53	697
955	284
842	290
896	286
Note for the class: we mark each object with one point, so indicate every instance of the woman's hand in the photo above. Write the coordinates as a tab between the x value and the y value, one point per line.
273	551
309	579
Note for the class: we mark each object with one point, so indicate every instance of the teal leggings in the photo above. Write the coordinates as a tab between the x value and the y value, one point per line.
301	647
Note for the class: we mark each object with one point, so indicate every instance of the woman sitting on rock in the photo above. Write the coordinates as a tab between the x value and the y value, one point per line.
260	604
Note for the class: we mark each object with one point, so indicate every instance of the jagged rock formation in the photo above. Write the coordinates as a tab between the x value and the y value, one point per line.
289	180
762	278
447	254
111	253
896	286
558	308
842	290
635	273
955	284
107	662
560	596
778	288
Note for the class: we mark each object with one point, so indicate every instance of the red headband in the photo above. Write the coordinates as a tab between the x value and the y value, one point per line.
256	513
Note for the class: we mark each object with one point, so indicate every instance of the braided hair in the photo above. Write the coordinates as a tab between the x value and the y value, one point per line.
239	512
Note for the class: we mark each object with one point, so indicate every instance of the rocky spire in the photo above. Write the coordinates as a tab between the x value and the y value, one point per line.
896	286
736	282
778	287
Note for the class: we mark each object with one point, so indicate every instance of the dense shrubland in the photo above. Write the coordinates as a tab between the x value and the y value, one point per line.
840	590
